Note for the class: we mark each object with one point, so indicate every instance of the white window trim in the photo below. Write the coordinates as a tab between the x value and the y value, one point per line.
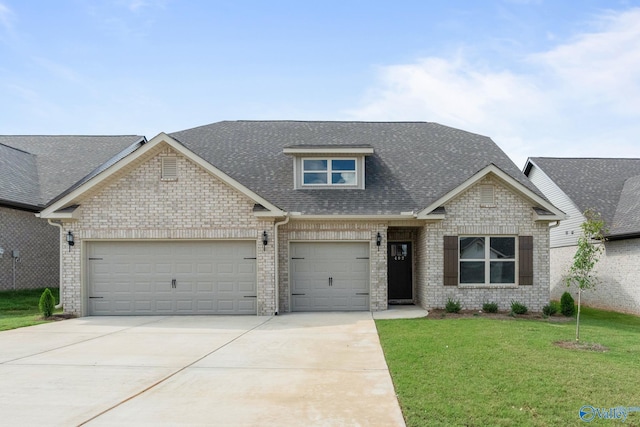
487	260
329	171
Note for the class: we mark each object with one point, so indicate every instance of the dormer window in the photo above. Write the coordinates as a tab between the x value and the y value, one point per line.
329	171
329	166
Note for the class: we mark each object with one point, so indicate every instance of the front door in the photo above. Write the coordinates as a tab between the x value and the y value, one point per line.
400	272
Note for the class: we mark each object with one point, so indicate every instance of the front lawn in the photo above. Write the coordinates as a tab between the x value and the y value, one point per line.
485	372
20	308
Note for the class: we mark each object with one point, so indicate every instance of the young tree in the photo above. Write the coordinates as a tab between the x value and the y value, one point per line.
590	246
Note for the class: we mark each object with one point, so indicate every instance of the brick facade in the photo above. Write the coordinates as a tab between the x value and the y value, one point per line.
136	204
617	273
511	216
37	266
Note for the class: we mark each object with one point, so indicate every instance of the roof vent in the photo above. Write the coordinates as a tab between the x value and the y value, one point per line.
487	196
169	169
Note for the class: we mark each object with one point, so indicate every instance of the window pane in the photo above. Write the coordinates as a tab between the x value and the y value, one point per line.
315	178
315	165
472	272
502	272
343	165
503	248
347	178
472	248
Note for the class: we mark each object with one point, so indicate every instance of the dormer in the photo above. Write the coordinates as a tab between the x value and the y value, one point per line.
328	166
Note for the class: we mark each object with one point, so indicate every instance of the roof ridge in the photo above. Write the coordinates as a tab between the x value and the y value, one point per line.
16	149
586	158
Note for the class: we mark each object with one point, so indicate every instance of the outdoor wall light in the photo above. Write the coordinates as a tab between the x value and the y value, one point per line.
1	252
378	240
265	239
70	240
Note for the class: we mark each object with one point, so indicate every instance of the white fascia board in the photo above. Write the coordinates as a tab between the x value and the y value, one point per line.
507	179
328	150
303	217
554	217
49	212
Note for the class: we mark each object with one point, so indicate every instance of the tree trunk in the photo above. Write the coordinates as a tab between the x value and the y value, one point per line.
578	317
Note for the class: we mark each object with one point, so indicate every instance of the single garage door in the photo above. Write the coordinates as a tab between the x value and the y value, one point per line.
329	276
181	277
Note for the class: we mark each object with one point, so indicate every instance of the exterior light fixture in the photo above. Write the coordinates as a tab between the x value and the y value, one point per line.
70	240
378	240
265	239
1	252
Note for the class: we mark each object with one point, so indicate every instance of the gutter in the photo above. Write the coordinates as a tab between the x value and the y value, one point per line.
57	224
277	260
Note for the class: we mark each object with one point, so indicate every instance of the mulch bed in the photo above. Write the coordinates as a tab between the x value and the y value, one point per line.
438	314
588	346
61	316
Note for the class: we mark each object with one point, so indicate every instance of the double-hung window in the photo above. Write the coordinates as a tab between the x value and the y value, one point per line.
487	260
322	171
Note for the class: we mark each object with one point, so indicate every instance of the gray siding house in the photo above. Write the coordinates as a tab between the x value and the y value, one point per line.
612	188
264	217
34	170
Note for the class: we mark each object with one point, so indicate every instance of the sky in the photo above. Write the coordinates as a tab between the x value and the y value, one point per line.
556	78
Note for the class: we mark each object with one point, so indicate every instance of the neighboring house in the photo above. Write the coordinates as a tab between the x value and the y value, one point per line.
263	217
34	170
610	187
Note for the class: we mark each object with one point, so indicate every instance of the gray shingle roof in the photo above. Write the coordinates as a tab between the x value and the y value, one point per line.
39	168
609	186
414	163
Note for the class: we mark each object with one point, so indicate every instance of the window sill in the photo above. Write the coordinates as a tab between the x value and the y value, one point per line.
485	286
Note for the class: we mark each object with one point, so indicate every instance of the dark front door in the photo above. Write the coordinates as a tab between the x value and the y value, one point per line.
400	274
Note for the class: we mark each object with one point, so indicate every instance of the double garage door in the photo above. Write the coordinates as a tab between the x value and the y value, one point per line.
182	277
329	276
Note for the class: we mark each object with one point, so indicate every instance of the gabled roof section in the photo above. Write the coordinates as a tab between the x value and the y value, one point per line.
543	209
50	165
412	164
605	185
58	208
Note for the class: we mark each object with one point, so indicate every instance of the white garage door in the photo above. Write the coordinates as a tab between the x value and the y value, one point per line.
329	276
183	277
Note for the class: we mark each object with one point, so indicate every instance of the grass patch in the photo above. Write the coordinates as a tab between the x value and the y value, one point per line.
20	308
479	371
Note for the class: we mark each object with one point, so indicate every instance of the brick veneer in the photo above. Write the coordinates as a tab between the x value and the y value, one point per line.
511	216
617	273
37	242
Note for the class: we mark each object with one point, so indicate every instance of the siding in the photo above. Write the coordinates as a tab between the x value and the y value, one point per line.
567	233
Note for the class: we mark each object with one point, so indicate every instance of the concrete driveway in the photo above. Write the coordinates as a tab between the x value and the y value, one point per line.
294	369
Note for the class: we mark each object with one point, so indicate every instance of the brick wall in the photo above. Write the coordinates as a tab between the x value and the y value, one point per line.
139	205
617	273
511	216
37	242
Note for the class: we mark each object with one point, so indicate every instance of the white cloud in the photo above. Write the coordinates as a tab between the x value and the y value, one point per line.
581	98
6	17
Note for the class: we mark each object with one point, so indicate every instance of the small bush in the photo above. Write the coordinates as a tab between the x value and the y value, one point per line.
47	303
518	308
550	309
490	307
567	305
452	306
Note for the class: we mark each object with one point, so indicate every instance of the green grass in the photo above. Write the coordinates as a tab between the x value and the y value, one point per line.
20	308
484	372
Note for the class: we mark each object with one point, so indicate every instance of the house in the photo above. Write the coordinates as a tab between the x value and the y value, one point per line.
264	217
34	170
610	187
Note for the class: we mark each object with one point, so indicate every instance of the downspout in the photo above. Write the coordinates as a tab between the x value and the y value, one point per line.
57	224
277	260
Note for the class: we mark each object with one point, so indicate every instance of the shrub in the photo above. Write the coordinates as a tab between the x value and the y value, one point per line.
452	306
47	303
518	308
550	309
490	307
567	306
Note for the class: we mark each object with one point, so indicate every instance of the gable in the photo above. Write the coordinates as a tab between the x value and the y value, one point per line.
60	209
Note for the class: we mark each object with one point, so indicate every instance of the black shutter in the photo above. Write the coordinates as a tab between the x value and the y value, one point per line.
525	260
451	260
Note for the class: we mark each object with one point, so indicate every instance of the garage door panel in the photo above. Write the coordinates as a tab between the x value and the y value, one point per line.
136	277
327	276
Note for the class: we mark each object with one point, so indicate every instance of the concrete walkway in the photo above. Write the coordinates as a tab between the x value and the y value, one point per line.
300	369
